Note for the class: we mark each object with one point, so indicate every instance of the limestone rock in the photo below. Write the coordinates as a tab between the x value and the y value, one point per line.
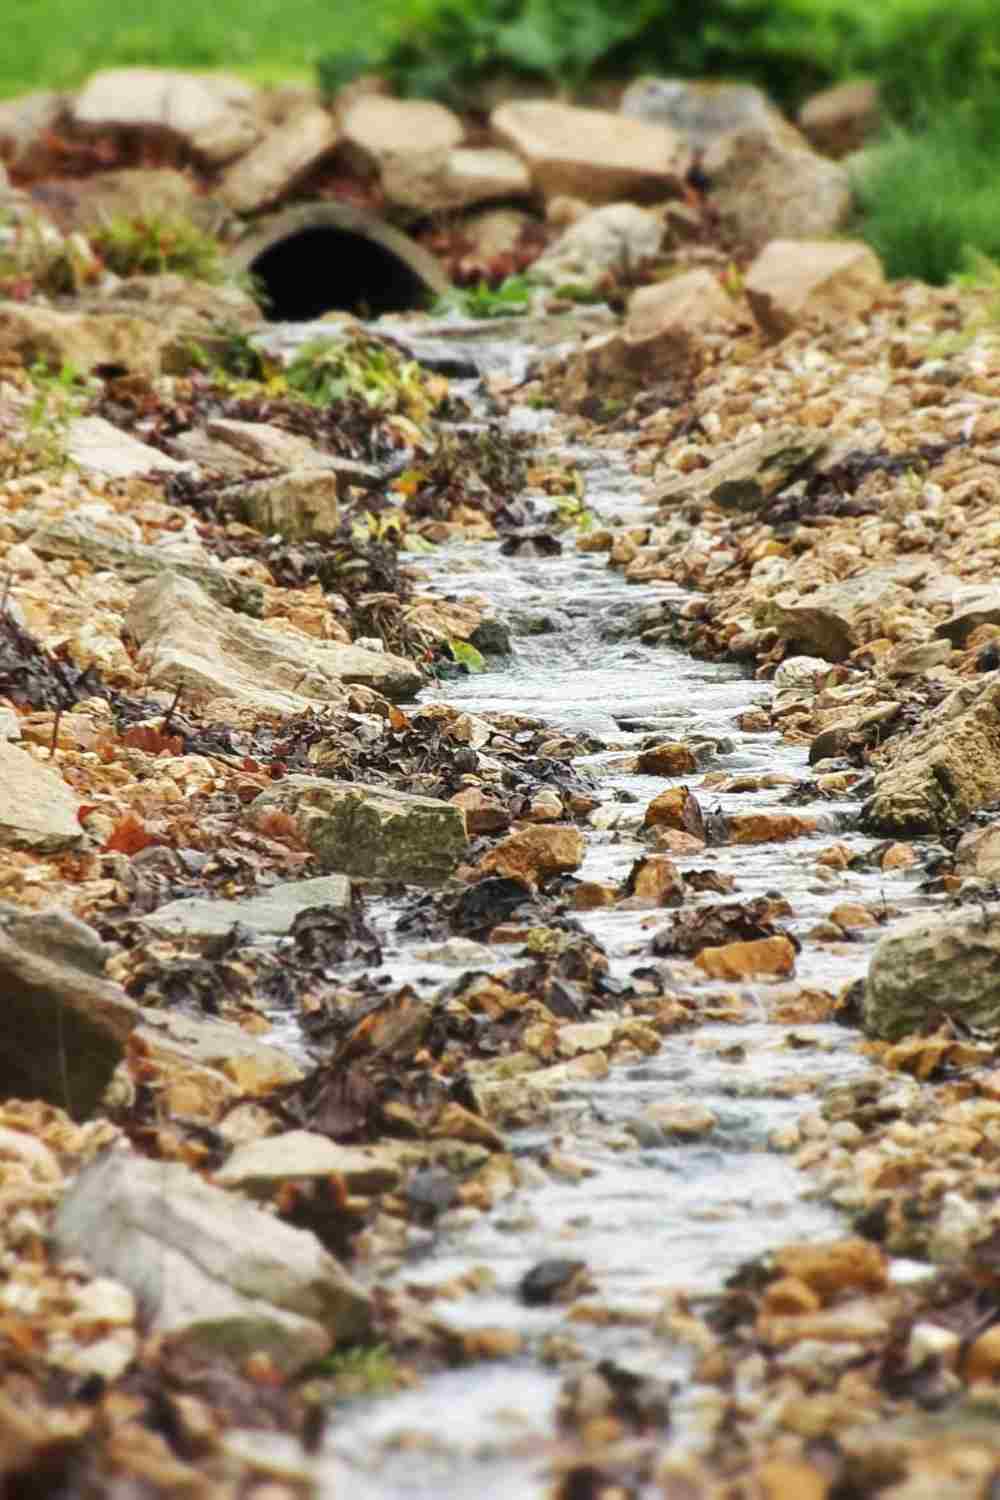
25	122
763	188
676	809
945	771
700	110
972	606
371	832
978	853
201	1065
189	641
753	471
98	446
271	169
63	1027
672	758
928	968
843	118
812	281
591	153
37	809
271	913
213	116
835	620
768	827
435	179
76	537
300	505
212	1273
615	238
406	143
261	1165
87	341
655	881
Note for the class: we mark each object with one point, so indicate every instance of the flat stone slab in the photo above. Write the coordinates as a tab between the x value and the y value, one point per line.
371	832
210	1271
271	914
302	1153
190	642
37	809
102	448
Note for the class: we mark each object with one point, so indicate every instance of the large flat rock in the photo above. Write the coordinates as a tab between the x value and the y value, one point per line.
189	641
213	1273
591	153
271	914
371	832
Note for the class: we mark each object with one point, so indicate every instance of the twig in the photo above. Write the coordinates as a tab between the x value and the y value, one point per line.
55	733
170	711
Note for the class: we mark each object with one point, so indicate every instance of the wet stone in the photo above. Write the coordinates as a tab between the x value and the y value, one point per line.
269	914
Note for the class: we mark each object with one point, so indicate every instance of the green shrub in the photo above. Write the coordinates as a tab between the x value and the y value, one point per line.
149	244
927	199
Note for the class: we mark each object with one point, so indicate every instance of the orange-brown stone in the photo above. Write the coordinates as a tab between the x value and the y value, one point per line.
772	955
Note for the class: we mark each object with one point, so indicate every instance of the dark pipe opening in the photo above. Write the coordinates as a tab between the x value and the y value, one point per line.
324	269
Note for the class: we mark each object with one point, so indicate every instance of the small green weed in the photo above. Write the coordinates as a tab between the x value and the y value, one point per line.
150	244
359	1372
60	396
511	299
333	369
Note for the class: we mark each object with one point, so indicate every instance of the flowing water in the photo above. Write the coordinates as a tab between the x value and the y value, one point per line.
646	1219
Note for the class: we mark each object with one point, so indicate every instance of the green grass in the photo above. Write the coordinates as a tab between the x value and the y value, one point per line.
57	43
929	198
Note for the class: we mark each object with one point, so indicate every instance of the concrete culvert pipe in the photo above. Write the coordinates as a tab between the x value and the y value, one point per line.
325	257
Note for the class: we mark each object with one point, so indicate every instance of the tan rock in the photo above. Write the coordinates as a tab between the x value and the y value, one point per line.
189	641
406	143
682	1117
669	759
790	1479
593	895
789	1296
926	968
271	170
765	188
900	857
608	241
977	853
37	809
850	914
982	1362
212	115
545	807
677	808
676	841
821	282
438	178
51	337
536	853
456	1123
841	119
769	827
772	955
655	881
590	153
483	813
853	1265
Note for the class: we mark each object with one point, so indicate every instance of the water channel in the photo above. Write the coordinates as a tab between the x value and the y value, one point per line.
647	1219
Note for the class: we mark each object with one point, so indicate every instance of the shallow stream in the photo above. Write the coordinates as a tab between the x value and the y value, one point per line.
646	1219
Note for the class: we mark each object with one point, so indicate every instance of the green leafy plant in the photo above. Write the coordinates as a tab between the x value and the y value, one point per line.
510	299
333	369
467	656
360	1372
150	244
59	397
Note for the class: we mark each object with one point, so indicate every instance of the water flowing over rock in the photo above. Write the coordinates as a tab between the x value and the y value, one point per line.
192	643
929	970
213	1274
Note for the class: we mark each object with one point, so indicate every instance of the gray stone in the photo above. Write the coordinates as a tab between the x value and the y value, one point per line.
946	770
271	914
763	188
928	968
616	238
176	1042
10	724
188	641
259	1165
978	853
592	154
37	809
701	111
74	538
371	832
211	1272
63	1027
